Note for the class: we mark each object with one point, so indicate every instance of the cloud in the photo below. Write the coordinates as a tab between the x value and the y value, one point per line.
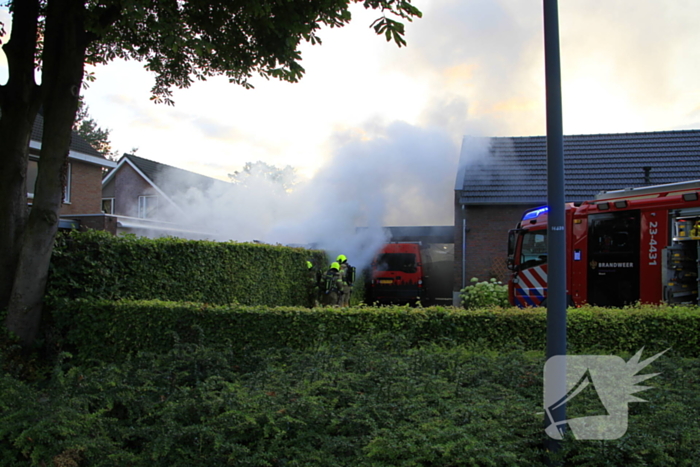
480	53
215	128
636	50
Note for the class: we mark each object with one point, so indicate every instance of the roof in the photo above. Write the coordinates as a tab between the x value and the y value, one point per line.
168	179
428	234
419	233
77	143
514	170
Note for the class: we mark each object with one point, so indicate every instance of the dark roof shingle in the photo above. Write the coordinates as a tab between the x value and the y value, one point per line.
514	170
173	181
77	143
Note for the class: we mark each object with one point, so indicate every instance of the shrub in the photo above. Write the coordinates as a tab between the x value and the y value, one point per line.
486	294
112	329
371	400
97	265
368	401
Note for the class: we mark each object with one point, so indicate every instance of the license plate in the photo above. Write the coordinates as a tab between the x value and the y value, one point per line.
386	281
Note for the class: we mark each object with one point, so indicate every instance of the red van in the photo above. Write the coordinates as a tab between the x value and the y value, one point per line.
397	274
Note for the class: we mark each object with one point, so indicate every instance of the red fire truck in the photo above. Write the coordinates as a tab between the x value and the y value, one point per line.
622	247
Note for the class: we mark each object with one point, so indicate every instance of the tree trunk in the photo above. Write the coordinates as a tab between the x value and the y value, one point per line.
19	103
62	73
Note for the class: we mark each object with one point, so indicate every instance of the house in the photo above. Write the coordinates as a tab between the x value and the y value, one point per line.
499	178
145	197
83	192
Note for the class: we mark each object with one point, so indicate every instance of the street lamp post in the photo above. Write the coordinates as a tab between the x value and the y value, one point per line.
556	239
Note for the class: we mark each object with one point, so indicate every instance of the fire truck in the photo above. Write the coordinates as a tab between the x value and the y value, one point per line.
622	247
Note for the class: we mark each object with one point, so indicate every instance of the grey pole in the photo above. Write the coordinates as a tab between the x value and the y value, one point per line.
556	238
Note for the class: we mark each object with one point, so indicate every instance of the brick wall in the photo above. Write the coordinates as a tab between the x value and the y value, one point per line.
104	222
128	186
85	189
485	241
459	217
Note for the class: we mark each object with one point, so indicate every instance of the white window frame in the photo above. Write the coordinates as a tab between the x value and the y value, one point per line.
111	205
146	209
66	196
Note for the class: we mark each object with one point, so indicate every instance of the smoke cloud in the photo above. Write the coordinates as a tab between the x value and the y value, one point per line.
379	175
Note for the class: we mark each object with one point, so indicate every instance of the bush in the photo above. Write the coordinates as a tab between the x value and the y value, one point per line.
371	400
103	329
486	294
109	330
97	265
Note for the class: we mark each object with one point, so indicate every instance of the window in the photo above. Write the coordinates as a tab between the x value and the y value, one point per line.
404	262
148	205
534	249
66	192
614	232
33	172
108	205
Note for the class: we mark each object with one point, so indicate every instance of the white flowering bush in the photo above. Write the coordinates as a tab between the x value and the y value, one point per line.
484	294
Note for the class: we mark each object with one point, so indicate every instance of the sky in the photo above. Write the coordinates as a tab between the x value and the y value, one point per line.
471	67
383	125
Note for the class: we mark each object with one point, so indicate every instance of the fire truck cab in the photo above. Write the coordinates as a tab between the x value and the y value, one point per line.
622	247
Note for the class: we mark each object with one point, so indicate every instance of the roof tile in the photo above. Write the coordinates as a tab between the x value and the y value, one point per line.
514	170
77	143
173	181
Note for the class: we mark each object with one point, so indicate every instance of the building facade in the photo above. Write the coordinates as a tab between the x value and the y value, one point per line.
83	191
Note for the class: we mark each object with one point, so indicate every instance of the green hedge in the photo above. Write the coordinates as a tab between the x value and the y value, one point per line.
372	401
95	264
107	328
364	403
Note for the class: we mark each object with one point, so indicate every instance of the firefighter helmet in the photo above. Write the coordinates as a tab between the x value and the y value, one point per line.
335	265
341	259
309	264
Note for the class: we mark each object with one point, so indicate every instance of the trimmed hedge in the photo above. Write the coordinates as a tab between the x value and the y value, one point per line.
104	329
372	401
95	264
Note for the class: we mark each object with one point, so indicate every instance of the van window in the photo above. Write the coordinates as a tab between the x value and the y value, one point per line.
404	262
534	248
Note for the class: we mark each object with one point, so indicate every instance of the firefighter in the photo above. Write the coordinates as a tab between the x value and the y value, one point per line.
332	285
347	275
314	284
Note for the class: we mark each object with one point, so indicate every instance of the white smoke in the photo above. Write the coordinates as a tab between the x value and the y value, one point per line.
378	176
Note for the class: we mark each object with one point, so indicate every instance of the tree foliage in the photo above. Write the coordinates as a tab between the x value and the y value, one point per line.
184	41
180	41
88	129
286	178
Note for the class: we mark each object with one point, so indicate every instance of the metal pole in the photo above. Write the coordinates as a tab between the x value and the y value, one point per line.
556	238
464	252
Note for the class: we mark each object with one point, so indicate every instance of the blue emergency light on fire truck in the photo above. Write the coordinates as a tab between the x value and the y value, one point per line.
622	247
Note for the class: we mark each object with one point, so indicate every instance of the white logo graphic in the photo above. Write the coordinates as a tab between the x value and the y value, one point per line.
610	377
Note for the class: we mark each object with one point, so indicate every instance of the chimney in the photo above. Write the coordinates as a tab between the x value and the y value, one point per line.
647	175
